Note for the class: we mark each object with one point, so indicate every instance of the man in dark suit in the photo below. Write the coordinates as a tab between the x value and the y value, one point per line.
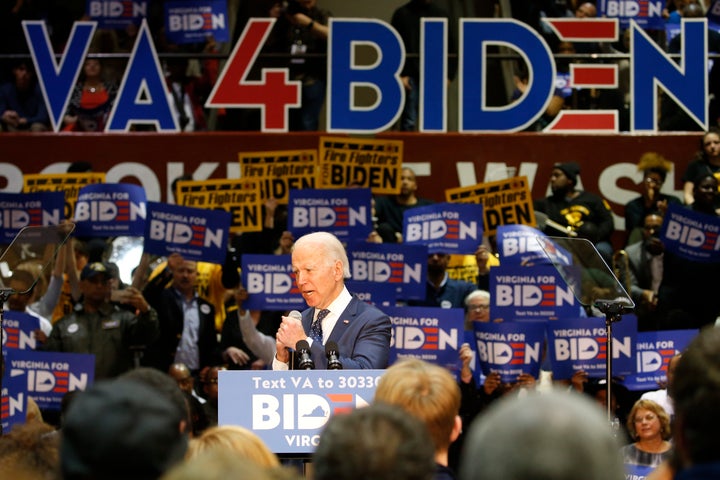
187	322
645	271
361	331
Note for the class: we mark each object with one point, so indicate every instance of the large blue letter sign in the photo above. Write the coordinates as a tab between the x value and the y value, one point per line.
143	95
475	115
57	81
687	83
345	75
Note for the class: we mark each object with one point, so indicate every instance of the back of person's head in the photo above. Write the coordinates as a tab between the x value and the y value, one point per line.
240	441
549	436
226	465
120	429
29	451
163	385
427	391
696	392
379	442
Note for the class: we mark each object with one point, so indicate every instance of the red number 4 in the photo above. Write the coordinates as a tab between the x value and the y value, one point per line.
274	94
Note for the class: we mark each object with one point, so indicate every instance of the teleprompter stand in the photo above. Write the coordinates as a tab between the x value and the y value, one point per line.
594	285
32	250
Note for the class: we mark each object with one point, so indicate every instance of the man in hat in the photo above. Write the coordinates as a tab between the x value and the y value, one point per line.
580	213
97	326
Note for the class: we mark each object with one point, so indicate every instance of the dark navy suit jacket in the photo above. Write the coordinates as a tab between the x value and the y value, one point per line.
362	334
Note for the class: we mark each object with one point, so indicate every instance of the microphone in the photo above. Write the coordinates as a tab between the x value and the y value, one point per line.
332	353
303	350
295	314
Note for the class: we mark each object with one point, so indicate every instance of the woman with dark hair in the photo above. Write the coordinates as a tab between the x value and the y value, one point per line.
91	100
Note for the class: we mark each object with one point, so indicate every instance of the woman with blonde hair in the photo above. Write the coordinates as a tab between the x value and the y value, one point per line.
649	425
238	440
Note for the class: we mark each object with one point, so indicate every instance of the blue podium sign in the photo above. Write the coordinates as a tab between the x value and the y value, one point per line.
288	409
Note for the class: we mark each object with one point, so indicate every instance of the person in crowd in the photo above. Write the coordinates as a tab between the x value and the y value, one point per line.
361	331
662	395
210	390
227	465
644	270
163	385
91	100
585	214
696	393
406	21
30	451
186	382
649	425
552	435
477	308
430	393
185	94
390	209
687	297
443	291
22	284
121	429
386	443
187	321
305	25
654	168
707	160
22	106
98	327
260	344
237	440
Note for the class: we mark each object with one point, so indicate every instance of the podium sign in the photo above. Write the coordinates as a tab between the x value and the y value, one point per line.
288	409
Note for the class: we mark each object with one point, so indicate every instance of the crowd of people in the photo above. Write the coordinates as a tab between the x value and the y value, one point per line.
173	329
298	41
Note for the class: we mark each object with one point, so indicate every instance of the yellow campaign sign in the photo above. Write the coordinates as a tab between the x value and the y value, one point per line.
240	197
368	163
70	183
505	202
280	171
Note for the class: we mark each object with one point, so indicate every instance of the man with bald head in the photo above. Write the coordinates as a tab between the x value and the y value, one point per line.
361	331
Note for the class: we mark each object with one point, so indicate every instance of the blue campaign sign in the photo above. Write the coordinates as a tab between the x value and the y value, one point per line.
509	348
346	213
691	235
373	293
117	14
194	21
110	209
581	344
288	409
270	283
19	210
654	351
194	233
48	376
18	328
428	333
519	245
445	227
390	264
647	13
530	293
13	401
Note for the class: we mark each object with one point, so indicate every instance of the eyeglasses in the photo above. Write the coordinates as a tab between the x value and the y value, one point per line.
648	418
211	380
478	308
